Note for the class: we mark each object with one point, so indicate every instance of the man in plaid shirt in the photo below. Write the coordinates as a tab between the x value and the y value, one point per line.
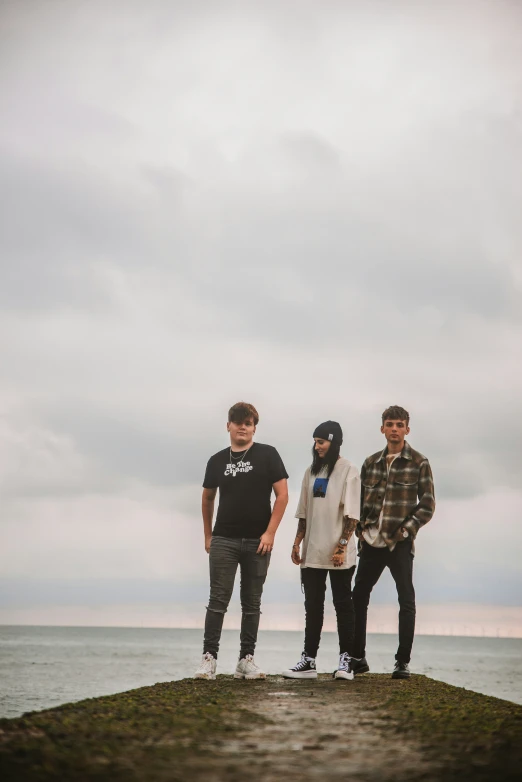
397	498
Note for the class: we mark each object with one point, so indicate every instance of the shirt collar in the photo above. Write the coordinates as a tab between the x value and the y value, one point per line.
405	453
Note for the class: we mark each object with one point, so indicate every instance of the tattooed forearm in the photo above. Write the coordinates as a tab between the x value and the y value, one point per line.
301	530
348	527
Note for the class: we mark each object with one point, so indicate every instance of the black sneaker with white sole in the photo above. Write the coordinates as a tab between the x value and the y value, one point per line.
305	669
359	665
401	671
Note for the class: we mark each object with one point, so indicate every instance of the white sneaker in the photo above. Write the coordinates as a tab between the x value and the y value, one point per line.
344	669
207	669
247	669
304	669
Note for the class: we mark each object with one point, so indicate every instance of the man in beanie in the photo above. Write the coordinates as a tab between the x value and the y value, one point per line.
328	511
246	474
398	498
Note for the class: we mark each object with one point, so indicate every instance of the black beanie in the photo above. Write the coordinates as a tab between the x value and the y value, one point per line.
330	430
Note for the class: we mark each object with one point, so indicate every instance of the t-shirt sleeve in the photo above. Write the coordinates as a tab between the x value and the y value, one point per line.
352	494
303	498
211	479
276	468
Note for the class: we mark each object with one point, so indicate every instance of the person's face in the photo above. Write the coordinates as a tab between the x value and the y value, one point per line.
395	430
241	434
321	446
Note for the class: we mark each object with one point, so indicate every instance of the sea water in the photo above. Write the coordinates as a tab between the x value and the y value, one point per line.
42	667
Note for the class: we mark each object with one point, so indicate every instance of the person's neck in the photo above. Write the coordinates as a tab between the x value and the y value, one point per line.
394	448
240	446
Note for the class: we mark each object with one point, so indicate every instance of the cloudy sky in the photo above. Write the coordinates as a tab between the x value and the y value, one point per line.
312	206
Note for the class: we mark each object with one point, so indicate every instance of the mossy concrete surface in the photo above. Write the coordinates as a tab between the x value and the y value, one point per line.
370	728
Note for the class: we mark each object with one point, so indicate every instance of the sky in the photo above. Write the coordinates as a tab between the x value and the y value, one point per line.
311	206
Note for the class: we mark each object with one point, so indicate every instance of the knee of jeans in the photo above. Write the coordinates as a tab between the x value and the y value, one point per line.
343	603
314	594
314	607
360	598
251	605
219	599
407	604
216	607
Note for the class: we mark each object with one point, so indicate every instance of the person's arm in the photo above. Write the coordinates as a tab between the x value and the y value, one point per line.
425	508
266	542
360	525
339	554
299	535
351	502
207	511
301	514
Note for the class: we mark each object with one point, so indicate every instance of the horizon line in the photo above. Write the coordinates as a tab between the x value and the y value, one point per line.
499	635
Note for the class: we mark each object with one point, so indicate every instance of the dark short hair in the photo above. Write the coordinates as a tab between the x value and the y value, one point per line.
396	413
241	411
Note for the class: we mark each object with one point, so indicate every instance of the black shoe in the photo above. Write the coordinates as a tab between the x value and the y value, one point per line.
305	669
359	666
401	671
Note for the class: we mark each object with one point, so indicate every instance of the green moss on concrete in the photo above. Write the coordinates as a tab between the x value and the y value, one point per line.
118	736
480	736
153	732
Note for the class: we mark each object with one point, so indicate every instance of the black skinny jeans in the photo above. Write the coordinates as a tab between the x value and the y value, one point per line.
371	565
314	583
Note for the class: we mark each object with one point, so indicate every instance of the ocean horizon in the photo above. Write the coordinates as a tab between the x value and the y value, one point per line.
441	619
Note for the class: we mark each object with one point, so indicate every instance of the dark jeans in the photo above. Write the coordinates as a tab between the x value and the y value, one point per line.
225	555
314	583
371	565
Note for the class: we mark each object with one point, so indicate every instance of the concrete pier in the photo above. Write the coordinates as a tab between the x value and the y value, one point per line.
372	728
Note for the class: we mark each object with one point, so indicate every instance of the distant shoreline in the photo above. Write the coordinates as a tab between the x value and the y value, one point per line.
235	629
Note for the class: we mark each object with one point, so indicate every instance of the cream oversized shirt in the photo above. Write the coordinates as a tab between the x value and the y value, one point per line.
324	502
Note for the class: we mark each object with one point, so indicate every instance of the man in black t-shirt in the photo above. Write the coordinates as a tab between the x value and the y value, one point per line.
245	474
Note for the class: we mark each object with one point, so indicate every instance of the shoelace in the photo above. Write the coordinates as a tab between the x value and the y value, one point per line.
303	663
344	661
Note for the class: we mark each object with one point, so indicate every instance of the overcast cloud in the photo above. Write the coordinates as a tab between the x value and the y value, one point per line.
313	206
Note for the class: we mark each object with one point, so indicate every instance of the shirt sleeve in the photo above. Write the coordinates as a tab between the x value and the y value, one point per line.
426	505
276	468
302	505
352	494
211	479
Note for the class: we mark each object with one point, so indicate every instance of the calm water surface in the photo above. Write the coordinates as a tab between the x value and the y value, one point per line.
41	667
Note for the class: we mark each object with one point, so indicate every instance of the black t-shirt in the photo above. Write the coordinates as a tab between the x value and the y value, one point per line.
245	489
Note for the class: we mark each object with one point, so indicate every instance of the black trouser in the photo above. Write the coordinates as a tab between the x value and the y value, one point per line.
371	565
314	583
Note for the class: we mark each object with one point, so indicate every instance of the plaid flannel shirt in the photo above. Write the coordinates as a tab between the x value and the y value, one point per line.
407	493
